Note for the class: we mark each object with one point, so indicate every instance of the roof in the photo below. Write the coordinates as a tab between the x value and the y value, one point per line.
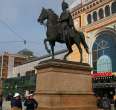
79	4
45	56
25	52
10	54
74	4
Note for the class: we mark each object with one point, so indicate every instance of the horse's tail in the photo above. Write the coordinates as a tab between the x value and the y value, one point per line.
82	36
46	47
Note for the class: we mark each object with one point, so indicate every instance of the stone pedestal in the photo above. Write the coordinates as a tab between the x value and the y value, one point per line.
64	85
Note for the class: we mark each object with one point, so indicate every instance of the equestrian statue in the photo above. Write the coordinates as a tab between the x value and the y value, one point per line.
61	29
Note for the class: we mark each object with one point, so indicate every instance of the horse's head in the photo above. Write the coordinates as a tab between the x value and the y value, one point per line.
43	15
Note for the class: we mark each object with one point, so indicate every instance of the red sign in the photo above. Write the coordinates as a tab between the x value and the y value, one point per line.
101	74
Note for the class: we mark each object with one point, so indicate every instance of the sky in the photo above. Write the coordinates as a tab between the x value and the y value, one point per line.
18	22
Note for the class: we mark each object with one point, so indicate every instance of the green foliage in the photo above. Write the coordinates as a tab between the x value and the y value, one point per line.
19	84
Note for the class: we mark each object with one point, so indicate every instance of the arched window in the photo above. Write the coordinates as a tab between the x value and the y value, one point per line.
113	7
89	20
105	44
107	10
95	16
104	64
101	13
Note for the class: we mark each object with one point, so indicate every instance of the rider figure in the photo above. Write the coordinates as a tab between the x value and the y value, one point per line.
66	20
68	25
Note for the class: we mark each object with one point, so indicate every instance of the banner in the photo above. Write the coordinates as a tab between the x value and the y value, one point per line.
101	74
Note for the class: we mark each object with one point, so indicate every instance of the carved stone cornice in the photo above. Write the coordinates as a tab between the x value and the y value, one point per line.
56	63
100	23
77	11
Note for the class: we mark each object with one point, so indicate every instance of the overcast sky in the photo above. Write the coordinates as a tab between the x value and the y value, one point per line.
18	22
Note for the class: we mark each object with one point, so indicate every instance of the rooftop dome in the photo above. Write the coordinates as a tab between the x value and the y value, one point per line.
26	52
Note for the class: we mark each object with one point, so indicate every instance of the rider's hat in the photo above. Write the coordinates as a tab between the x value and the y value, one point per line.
64	5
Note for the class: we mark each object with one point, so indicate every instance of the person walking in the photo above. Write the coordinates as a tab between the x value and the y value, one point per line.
106	103
30	102
1	102
16	103
115	104
99	103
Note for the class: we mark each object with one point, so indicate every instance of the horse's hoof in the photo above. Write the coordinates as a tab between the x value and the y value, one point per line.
81	61
49	51
64	58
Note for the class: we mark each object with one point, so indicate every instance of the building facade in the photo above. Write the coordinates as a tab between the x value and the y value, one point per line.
97	19
23	77
8	62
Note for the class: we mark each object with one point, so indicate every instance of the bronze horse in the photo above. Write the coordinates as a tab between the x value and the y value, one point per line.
54	33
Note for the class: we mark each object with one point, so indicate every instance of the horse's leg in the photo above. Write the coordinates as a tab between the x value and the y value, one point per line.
80	51
69	47
46	47
52	48
82	36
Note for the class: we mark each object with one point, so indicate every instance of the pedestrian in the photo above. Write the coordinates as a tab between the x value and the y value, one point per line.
99	103
106	103
115	104
16	103
30	102
9	97
1	102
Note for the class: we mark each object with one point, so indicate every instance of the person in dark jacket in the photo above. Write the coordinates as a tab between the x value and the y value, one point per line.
9	97
99	103
30	103
115	103
16	103
1	102
106	103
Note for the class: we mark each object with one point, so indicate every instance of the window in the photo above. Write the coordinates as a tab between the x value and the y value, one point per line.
95	16
107	11
103	52
104	64
113	7
101	13
89	19
30	73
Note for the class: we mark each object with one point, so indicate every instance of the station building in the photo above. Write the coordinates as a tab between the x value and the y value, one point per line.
97	19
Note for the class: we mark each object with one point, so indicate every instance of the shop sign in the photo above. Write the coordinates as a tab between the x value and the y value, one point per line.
101	74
